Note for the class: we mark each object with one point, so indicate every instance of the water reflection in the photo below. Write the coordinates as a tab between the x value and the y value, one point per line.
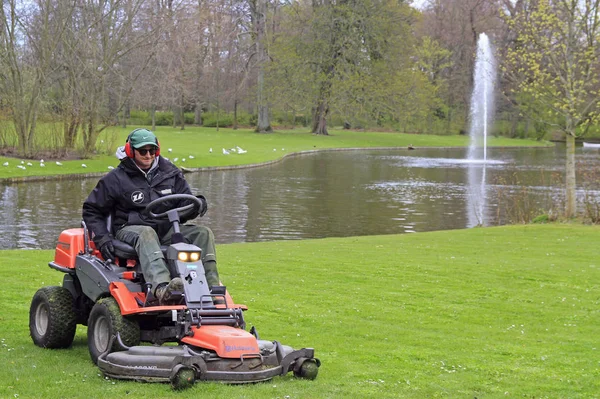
323	195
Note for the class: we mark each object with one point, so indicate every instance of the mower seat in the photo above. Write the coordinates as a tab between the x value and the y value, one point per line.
126	251
123	250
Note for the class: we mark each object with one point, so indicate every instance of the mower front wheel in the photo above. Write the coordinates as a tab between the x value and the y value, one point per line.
52	318
106	321
308	369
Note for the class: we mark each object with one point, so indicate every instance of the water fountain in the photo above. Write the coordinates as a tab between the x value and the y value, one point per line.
481	115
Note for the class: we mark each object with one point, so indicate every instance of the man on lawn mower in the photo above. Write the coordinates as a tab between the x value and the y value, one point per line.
141	177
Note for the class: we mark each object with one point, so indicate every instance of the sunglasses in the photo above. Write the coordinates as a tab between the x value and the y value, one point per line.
144	151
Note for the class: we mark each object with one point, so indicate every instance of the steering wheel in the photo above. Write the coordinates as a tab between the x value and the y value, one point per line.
182	211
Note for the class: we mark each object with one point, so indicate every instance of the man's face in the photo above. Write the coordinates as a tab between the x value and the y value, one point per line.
144	161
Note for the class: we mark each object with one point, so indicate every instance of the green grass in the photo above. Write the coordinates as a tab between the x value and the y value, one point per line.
487	313
196	141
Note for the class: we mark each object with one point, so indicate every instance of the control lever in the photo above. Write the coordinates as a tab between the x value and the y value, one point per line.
147	289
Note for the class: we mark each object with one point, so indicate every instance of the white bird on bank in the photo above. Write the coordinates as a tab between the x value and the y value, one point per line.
5	164
83	165
232	150
170	150
29	164
225	152
176	159
210	150
183	160
41	161
42	164
58	163
191	157
111	167
241	150
21	167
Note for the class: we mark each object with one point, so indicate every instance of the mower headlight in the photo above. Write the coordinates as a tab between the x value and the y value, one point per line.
188	256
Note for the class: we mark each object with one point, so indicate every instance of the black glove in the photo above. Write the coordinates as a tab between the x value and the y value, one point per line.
204	207
107	249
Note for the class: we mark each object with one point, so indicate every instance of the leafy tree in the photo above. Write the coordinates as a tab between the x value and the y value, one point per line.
555	62
345	56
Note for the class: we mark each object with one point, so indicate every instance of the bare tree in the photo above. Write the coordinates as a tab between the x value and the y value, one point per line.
456	24
30	34
103	52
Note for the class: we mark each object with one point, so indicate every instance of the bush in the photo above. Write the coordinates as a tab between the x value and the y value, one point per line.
139	118
209	119
164	118
189	117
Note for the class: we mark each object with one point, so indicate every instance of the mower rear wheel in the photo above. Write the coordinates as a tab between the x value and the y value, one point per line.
106	321
52	318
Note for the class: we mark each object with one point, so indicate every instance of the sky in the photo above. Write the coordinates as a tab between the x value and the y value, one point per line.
418	3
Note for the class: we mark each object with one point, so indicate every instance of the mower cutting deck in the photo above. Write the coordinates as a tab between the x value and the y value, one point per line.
116	304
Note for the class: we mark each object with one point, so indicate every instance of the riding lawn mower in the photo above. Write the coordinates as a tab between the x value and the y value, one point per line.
120	311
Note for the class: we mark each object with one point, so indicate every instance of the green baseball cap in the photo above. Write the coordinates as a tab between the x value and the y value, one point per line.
142	137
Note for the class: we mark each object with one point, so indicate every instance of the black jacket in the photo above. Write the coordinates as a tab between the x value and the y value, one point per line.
124	193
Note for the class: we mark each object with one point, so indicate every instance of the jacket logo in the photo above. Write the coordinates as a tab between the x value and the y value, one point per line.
137	197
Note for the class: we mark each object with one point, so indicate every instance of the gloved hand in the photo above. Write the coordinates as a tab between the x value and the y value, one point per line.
204	207
107	249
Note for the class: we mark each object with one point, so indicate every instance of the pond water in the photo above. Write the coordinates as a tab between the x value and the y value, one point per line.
332	194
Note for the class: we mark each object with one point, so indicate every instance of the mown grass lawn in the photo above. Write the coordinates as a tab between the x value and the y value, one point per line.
197	141
486	312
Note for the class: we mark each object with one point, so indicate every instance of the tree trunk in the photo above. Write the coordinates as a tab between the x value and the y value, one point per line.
198	113
126	115
320	119
182	113
571	200
235	120
70	127
263	124
321	111
153	116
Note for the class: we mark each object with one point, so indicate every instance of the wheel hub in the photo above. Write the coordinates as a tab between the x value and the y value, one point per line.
101	334
41	319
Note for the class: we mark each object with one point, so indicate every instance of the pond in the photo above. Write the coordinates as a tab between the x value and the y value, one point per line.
332	194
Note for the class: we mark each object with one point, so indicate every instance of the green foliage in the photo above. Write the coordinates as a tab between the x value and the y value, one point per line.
211	119
353	57
138	117
163	118
541	219
487	313
555	51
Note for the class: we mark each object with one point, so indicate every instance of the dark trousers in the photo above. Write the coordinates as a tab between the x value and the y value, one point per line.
152	261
